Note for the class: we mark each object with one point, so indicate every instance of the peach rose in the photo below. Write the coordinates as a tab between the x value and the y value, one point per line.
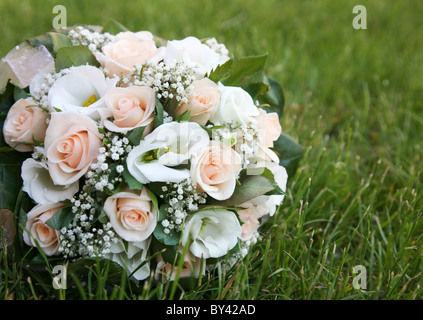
191	268
38	231
214	170
203	101
121	56
131	214
72	143
24	124
249	216
269	129
131	107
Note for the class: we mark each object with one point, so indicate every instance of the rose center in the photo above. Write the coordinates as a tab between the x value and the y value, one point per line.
23	122
72	148
134	218
44	233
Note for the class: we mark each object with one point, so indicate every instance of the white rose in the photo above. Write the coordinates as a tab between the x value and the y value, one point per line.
38	185
132	215
196	55
235	105
131	257
211	233
169	145
82	90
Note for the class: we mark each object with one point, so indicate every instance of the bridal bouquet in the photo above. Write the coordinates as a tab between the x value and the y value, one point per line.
159	155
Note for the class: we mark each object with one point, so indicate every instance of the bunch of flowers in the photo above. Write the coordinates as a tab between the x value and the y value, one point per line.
142	151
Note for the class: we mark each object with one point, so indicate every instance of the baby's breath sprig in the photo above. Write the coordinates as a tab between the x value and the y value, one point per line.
182	198
86	236
243	138
93	40
219	48
169	81
106	173
40	93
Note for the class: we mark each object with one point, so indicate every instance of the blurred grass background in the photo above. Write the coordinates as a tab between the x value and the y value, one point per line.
353	100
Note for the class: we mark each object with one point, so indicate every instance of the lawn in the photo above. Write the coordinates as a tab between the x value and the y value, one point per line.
354	101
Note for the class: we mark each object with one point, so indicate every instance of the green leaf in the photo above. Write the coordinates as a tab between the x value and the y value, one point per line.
133	183
256	89
220	71
162	213
53	41
158	119
289	152
171	239
59	40
102	217
114	27
244	70
61	218
169	254
184	117
153	199
19	93
74	56
253	183
6	149
135	135
274	97
156	187
10	178
6	98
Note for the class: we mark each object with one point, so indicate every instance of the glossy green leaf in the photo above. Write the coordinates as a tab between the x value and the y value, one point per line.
62	218
114	27
135	135
289	153
273	97
245	70
158	119
220	71
252	183
75	56
10	178
169	239
184	117
133	183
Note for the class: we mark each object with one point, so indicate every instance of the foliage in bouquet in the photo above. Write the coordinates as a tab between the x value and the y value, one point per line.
158	155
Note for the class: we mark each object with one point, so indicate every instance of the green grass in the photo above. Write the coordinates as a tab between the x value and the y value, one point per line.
354	100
